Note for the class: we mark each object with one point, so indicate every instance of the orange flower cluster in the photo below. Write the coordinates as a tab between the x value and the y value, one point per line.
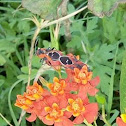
65	101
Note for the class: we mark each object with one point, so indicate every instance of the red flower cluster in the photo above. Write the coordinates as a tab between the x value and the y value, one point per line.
64	102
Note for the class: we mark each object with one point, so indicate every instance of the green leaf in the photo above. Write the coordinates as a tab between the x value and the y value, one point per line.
46	43
75	42
45	8
110	95
104	53
91	25
36	62
103	8
2	122
114	116
2	60
2	82
101	58
24	69
6	46
123	85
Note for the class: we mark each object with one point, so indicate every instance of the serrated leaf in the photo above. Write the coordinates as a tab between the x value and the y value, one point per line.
91	25
103	71
101	56
75	42
123	85
104	53
103	8
45	8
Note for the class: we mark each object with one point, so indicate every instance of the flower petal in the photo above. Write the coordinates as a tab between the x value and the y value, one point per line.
94	82
55	79
58	124
78	120
92	90
62	101
91	112
67	122
67	114
47	122
120	122
31	118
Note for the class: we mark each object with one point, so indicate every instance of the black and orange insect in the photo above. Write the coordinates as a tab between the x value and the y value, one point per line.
54	58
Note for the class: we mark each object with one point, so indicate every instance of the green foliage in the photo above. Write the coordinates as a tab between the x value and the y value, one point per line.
123	86
99	42
102	8
48	11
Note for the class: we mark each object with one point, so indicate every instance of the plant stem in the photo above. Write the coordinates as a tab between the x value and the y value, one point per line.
31	53
103	116
21	116
59	72
64	18
85	121
5	120
95	123
9	103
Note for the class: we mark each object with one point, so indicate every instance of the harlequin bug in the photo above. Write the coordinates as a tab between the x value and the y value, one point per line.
54	58
50	56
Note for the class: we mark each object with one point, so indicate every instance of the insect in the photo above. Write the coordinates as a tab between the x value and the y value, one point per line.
54	58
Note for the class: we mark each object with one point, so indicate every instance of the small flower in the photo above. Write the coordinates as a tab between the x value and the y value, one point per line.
83	75
57	88
23	102
75	106
82	110
36	110
121	121
55	113
34	92
89	88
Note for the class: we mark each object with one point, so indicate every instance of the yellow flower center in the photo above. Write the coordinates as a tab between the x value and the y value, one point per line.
75	106
82	75
54	113
57	86
123	116
34	91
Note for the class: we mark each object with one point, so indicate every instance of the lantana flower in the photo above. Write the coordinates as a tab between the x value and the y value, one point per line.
23	102
55	113
34	92
81	80
57	87
81	110
82	76
121	121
